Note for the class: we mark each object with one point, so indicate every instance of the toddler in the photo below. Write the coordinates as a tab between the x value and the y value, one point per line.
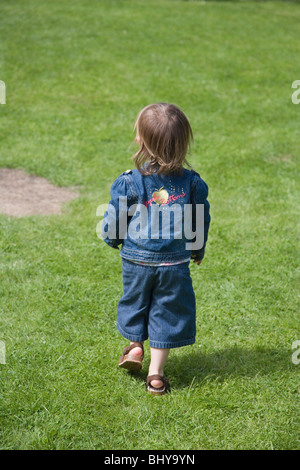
153	214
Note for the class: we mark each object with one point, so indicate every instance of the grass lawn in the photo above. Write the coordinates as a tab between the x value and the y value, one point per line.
76	75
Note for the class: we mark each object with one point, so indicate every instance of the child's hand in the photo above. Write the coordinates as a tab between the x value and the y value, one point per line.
198	262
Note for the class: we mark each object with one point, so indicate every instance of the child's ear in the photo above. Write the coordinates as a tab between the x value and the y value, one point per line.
138	139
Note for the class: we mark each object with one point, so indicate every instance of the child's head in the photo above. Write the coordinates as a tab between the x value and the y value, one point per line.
164	134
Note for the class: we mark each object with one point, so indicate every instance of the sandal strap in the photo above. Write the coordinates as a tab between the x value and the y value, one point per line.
158	377
132	346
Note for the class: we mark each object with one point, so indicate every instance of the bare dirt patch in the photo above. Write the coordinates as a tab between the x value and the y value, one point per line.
22	194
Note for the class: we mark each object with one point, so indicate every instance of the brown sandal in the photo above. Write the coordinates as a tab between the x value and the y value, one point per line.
132	361
158	391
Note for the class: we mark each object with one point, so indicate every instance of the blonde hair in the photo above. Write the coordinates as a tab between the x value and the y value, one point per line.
164	135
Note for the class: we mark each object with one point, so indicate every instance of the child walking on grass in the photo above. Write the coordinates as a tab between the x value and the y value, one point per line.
153	214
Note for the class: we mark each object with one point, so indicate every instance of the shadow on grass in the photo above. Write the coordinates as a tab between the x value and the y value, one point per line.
196	367
224	363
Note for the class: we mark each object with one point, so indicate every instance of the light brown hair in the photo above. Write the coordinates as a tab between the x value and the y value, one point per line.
164	135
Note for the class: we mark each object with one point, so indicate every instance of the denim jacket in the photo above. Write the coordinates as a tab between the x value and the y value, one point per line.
140	195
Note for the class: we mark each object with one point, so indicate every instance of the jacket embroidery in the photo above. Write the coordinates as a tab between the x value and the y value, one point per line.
162	197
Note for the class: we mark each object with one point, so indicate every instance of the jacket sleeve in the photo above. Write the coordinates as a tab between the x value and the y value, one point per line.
116	219
199	195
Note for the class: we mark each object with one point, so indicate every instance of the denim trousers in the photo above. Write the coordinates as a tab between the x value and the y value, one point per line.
158	303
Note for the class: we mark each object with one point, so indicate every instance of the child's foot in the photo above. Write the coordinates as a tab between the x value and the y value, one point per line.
157	384
132	356
137	351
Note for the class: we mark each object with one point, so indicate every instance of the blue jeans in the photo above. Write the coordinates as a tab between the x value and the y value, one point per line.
158	303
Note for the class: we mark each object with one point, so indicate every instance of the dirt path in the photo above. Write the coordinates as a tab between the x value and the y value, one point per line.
22	194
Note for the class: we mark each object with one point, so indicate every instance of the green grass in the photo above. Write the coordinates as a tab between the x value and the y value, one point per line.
77	73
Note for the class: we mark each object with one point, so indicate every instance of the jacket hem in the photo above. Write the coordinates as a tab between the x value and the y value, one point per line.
133	255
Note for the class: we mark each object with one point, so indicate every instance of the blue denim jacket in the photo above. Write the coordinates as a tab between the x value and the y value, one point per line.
140	194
